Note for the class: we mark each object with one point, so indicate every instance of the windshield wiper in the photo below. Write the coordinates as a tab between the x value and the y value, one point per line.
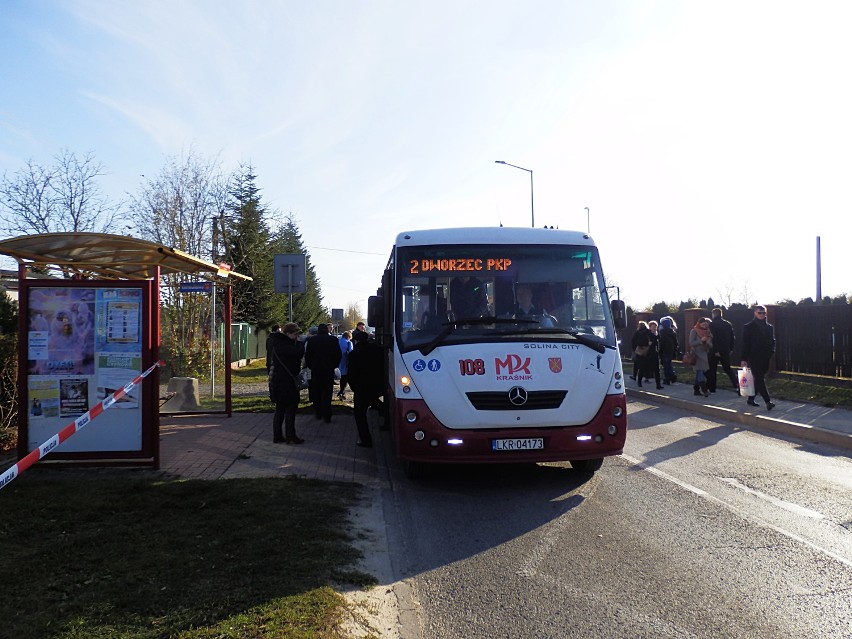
450	326
592	341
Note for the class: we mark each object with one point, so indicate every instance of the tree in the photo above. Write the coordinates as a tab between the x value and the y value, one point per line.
62	198
9	371
661	309
177	209
246	239
308	309
351	317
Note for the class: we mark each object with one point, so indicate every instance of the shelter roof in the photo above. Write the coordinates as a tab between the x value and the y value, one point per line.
107	256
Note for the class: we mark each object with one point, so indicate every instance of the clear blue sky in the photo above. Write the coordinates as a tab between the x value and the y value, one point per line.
710	141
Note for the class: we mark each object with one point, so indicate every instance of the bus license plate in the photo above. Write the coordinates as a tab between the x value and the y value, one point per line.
531	443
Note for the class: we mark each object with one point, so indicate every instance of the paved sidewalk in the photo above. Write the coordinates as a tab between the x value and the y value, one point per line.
217	446
821	424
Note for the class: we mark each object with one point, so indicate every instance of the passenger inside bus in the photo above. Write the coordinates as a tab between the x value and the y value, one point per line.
467	297
524	306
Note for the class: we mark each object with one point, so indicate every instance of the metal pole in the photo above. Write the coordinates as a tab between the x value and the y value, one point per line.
213	342
532	204
290	291
532	191
588	221
819	273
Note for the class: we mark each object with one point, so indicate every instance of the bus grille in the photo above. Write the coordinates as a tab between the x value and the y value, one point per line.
536	400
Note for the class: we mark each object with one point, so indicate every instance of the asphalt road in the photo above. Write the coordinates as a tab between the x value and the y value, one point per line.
701	530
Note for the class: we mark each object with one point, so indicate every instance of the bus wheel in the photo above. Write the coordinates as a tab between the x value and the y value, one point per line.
587	465
412	469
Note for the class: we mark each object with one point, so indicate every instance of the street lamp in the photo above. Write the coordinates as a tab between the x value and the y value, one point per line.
588	221
532	202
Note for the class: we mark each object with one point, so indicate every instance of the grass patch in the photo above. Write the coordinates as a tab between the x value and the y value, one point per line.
110	554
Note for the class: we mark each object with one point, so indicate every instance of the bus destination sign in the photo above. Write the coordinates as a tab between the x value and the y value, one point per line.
459	265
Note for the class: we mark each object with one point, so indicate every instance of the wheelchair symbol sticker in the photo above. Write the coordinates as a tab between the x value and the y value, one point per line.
419	365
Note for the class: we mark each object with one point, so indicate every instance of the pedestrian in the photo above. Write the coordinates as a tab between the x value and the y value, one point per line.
701	341
723	344
758	349
275	328
366	377
652	359
668	349
345	343
322	356
312	394
284	354
360	326
641	345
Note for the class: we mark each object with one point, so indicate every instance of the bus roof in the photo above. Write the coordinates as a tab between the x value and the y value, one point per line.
493	235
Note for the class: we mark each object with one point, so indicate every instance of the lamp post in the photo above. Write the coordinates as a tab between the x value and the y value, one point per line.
588	221
532	201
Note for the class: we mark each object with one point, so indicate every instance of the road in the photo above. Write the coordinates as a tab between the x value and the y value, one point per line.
700	530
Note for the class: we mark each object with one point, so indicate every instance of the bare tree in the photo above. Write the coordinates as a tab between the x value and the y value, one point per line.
62	198
177	207
352	316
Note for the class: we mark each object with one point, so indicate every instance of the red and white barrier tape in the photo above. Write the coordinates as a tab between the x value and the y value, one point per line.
72	428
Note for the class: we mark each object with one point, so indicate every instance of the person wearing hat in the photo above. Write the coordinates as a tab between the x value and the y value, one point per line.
284	354
366	368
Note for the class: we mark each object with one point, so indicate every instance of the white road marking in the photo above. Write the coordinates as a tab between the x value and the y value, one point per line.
734	509
786	505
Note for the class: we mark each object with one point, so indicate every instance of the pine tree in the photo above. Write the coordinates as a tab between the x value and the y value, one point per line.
246	238
308	309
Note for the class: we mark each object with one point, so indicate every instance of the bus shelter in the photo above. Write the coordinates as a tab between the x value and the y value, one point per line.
89	335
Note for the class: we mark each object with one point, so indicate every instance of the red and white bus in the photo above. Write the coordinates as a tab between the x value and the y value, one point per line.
502	347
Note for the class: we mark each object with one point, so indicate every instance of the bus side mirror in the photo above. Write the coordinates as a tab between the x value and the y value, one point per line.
619	314
376	311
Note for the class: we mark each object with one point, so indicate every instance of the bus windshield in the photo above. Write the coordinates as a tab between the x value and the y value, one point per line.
478	292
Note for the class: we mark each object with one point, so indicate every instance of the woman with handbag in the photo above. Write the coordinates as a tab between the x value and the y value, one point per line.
700	342
284	354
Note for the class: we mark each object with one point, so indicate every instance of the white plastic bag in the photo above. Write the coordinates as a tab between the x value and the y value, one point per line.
746	381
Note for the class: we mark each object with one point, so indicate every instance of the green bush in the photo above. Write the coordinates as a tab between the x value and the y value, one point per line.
8	391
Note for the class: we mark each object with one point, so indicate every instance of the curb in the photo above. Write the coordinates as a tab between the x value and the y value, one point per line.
751	420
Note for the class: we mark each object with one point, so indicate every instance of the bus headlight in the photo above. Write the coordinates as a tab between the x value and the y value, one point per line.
411	416
612	429
617	411
405	381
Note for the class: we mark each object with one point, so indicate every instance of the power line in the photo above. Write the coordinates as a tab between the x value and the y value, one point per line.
325	248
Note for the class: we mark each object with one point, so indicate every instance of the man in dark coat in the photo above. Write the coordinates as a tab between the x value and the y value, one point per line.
366	377
322	356
284	354
723	343
758	348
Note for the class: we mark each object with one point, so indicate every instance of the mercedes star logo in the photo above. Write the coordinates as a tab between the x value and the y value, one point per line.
517	396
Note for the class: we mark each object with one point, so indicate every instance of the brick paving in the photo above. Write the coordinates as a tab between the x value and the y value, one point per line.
217	446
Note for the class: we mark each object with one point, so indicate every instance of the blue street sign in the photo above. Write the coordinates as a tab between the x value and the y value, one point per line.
196	287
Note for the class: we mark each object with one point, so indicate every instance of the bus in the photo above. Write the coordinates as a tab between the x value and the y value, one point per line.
501	348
